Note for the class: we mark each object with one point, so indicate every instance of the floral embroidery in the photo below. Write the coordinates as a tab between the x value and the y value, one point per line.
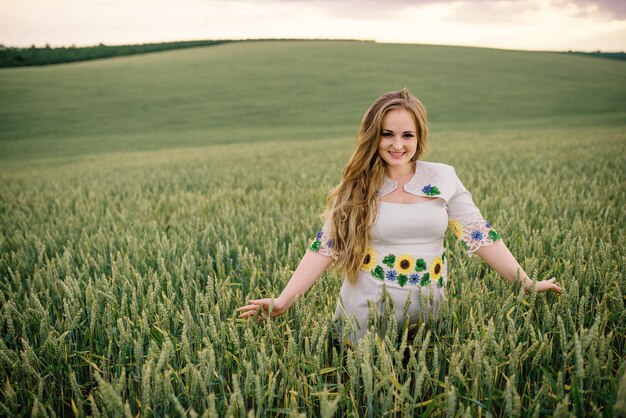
404	269
379	273
430	190
404	264
402	279
323	244
475	234
389	260
315	245
420	265
436	268
370	259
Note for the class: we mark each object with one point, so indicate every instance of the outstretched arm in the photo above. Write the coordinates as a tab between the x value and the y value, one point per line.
498	256
479	237
311	267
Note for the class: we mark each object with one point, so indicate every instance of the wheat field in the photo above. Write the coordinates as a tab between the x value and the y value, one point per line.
122	266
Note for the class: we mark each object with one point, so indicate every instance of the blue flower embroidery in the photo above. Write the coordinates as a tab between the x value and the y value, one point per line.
487	225
414	278
391	275
430	190
477	235
330	243
319	235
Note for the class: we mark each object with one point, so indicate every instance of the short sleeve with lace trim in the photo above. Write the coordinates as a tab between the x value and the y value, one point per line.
466	221
323	242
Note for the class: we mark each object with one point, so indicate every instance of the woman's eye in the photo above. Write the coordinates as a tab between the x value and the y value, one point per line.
387	135
408	136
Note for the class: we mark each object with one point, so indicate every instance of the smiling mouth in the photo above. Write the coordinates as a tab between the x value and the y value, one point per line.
396	154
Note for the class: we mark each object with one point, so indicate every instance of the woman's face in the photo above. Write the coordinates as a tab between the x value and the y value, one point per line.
398	141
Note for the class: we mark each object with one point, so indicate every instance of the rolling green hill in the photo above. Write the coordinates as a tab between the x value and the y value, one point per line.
255	91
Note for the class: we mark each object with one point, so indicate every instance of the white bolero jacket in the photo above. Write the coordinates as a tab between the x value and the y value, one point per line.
440	181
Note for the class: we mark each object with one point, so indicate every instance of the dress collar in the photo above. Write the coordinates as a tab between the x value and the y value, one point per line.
423	182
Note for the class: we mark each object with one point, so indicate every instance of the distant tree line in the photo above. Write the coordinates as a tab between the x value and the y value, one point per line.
19	57
598	53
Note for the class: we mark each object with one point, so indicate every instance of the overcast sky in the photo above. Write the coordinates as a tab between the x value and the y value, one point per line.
516	24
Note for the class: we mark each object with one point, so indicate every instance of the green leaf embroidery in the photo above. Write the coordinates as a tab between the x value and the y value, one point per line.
420	264
425	279
494	235
440	282
315	246
378	272
389	260
402	279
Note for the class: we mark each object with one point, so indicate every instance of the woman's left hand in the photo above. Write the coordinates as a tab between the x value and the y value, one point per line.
544	285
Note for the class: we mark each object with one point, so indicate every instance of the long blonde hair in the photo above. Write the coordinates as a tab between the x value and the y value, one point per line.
353	204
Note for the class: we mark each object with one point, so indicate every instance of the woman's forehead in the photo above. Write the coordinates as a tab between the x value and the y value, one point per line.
398	119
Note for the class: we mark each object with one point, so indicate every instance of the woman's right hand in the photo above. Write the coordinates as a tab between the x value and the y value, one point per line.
311	267
278	308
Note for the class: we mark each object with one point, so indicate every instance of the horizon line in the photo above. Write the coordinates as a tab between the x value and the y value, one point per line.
47	45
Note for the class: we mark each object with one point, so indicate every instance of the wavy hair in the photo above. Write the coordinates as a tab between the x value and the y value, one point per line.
352	205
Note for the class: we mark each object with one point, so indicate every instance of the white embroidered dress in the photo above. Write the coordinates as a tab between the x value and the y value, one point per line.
406	255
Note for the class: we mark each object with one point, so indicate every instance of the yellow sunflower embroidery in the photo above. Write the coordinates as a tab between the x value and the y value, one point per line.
370	259
456	227
405	264
436	268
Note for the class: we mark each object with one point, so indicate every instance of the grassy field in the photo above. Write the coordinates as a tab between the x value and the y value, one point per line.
249	92
143	199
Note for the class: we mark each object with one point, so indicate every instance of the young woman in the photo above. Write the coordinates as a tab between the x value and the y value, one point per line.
385	223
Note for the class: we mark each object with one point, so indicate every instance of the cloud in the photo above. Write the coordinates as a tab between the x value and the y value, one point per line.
516	24
612	8
482	12
376	9
390	8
